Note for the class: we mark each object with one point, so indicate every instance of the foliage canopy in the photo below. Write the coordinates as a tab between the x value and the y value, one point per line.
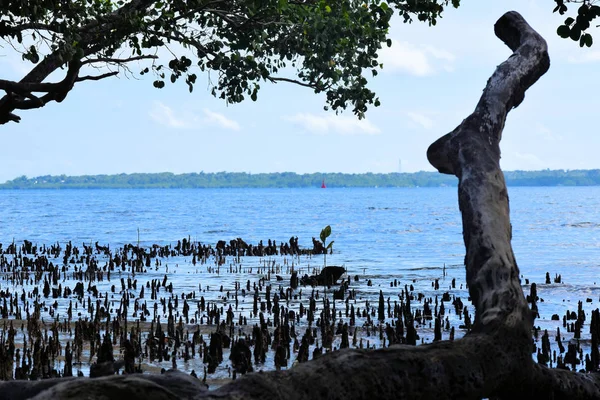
575	28
329	46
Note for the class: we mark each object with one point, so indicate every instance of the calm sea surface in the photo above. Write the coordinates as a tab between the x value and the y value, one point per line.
387	231
380	234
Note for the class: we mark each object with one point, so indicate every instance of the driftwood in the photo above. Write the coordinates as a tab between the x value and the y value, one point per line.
494	359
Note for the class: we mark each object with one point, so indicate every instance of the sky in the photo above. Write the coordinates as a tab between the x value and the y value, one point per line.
431	80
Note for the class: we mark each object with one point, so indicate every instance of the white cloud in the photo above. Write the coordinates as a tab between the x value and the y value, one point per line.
440	54
420	119
339	124
214	118
165	115
415	60
546	133
527	160
589	56
168	117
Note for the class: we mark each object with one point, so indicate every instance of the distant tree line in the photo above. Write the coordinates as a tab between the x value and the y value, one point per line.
168	180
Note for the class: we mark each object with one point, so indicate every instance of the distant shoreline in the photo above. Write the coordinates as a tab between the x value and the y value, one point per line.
167	180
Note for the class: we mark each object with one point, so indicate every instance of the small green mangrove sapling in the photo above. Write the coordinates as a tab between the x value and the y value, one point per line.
325	233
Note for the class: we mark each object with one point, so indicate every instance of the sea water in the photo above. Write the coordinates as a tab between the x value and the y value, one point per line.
412	235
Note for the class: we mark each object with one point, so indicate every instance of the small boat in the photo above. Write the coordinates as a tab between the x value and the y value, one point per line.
323	185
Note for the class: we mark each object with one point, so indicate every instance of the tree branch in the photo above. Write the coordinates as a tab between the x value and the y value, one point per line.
24	88
12	30
90	42
202	50
118	60
13	117
96	77
297	82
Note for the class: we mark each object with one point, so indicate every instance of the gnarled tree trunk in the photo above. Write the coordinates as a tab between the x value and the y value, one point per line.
494	360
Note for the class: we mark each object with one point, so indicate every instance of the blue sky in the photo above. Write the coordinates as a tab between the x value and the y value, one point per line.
432	79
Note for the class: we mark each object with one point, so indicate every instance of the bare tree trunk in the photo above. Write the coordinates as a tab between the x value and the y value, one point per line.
494	360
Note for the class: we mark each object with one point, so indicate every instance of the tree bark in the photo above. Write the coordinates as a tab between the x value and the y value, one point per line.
494	360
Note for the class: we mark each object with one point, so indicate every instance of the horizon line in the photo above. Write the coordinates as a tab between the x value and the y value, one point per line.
325	176
284	172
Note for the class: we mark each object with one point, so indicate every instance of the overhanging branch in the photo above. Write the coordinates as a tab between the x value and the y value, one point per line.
110	60
23	88
294	81
96	77
91	40
6	30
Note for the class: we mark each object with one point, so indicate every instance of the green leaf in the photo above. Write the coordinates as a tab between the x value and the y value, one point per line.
569	21
562	9
325	233
575	33
327	9
563	31
330	245
389	42
582	22
588	40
